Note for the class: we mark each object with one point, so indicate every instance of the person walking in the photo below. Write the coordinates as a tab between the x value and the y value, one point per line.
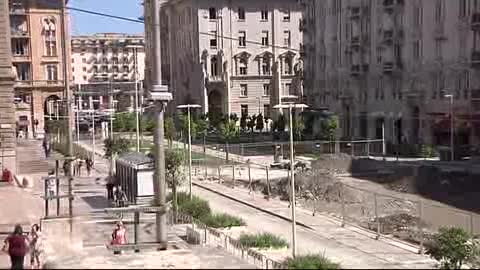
89	165
35	247
110	184
46	146
120	197
79	166
17	246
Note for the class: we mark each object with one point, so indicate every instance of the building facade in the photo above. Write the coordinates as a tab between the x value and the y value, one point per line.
395	63
36	48
7	110
105	67
238	57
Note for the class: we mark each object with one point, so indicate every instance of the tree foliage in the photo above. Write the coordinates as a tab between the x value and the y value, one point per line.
116	146
279	124
228	131
170	131
174	174
329	127
451	247
298	127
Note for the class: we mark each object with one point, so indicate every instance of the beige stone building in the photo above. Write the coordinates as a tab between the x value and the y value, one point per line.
36	48
391	62
230	56
7	110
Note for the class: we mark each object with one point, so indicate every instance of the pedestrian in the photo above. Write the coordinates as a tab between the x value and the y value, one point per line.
119	236
120	197
46	146
65	167
35	246
17	246
79	166
89	165
110	184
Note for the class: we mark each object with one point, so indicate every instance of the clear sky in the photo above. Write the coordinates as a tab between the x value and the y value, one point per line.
83	23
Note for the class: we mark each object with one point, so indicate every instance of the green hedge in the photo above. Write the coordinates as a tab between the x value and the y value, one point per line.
221	221
262	240
311	262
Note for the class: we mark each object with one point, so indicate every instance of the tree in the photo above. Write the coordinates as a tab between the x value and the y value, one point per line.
184	125
202	129
174	173
116	146
252	122
260	122
243	122
329	127
170	131
280	123
451	247
214	118
228	131
298	127
147	124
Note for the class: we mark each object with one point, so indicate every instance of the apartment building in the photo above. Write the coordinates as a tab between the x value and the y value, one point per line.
7	111
105	67
228	56
393	64
36	42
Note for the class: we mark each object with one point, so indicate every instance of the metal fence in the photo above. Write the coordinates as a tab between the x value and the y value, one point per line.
200	234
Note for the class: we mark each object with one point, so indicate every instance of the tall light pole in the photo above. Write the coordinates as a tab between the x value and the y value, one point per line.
188	106
159	94
292	172
137	112
452	128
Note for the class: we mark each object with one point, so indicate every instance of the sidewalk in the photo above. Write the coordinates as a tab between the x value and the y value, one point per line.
352	246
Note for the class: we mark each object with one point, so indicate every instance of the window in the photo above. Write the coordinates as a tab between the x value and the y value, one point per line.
264	38
266	111
242	39
115	60
73	69
266	65
20	47
105	60
286	15
243	67
463	8
50	36
214	65
126	69
287	89
95	69
125	60
115	69
84	69
84	78
438	11
73	60
416	16
288	66
243	90
241	14
266	89
212	13
104	69
213	39
416	50
244	110
84	60
52	73
95	50
286	38
264	14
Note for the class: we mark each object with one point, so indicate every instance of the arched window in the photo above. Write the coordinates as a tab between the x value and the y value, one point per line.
214	65
50	36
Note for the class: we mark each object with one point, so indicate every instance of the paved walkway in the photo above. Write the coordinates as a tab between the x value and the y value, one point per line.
350	246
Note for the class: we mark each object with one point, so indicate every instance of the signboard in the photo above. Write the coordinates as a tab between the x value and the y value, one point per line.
145	183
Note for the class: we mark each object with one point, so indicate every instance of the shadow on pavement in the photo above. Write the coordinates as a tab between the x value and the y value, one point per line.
96	201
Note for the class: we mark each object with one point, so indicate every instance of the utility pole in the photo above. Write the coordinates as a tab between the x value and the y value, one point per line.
160	95
65	58
136	98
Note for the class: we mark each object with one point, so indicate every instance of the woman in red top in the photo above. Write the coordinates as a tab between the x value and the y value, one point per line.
17	247
119	236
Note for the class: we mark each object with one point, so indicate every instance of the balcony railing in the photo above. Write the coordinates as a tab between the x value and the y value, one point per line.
476	59
15	32
388	67
355	13
476	21
355	42
38	83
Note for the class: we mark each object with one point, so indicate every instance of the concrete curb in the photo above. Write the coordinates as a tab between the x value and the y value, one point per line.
251	205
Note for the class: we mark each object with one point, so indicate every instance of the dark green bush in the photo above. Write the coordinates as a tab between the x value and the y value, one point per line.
222	221
262	240
311	262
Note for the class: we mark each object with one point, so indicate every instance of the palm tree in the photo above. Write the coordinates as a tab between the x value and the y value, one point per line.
228	131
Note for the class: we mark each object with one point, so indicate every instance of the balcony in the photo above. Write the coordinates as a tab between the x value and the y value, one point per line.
476	59
476	21
355	42
38	83
355	70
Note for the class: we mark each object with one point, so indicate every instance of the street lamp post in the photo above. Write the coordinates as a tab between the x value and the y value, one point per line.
452	129
188	106
292	173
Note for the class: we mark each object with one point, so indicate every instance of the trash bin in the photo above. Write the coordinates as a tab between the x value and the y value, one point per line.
7	175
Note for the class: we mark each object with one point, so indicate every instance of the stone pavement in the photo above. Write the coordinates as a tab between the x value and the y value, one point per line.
351	246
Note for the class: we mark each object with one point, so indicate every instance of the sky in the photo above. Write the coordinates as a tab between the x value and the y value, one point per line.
83	24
